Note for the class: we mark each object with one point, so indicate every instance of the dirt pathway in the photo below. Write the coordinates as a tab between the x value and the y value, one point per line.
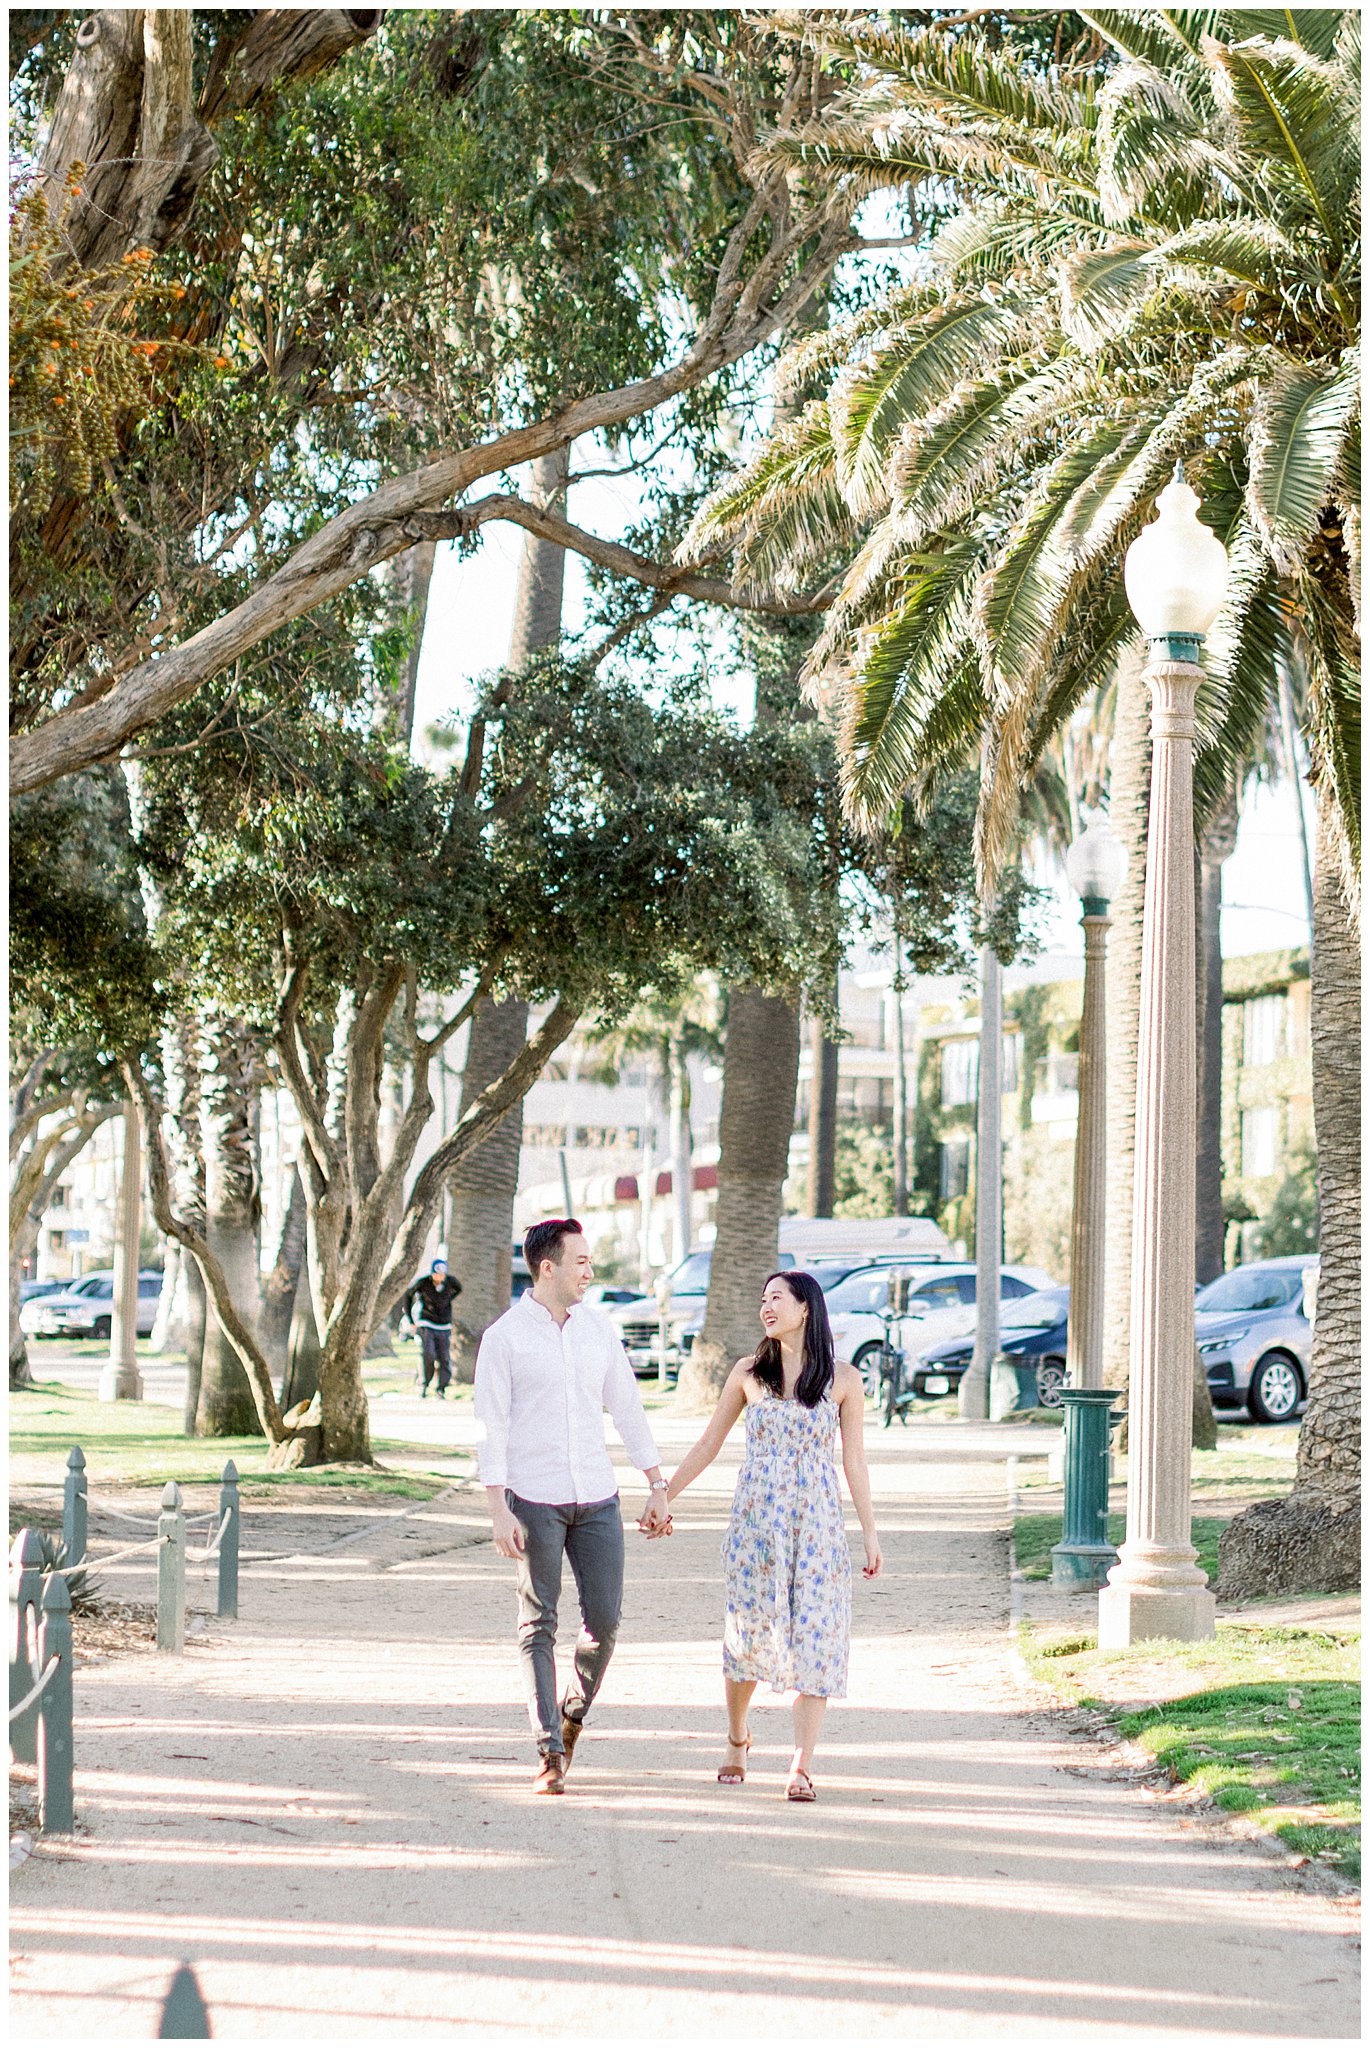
327	1809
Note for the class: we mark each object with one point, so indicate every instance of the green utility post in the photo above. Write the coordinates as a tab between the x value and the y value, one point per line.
1084	1555
74	1507
230	1507
55	1711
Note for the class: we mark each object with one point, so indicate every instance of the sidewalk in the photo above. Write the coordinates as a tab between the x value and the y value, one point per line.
327	1809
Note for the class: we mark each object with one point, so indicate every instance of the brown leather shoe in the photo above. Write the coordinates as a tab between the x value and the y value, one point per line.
551	1775
570	1736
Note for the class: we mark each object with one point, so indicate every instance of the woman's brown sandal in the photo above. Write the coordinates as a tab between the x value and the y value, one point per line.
735	1774
800	1788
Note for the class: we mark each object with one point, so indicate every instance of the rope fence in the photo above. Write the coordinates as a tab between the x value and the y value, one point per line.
40	1706
54	1664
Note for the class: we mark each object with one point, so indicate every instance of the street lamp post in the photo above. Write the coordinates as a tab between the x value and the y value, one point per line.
1176	578
1095	866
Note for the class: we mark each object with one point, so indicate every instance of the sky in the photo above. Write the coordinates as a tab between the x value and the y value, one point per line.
467	633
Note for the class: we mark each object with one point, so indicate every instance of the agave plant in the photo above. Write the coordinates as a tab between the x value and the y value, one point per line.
1153	259
82	1586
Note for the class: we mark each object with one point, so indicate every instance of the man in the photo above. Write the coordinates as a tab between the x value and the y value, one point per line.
545	1373
428	1306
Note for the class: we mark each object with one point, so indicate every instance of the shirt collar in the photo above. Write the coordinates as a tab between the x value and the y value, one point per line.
541	1310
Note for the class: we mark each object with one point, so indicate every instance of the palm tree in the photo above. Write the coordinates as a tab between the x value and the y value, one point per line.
1152	258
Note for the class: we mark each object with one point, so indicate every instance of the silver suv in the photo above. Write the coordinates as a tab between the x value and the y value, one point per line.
1255	1335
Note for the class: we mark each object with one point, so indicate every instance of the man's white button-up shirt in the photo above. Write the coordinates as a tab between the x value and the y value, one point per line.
541	1391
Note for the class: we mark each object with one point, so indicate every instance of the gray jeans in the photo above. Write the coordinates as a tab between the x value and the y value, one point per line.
590	1534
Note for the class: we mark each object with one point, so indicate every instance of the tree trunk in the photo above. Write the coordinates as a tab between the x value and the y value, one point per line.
21	1372
1217	842
186	1315
1129	801
484	1185
974	1391
479	1250
233	1215
126	110
282	1284
900	1132
756	1119
682	1154
822	1192
1310	1542
301	1382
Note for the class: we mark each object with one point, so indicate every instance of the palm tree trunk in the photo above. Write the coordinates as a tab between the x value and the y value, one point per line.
901	1088
756	1120
1129	800
233	1217
1217	842
484	1185
682	1152
823	1118
1310	1541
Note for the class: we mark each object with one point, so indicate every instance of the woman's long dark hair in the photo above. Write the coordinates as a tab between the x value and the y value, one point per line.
819	1366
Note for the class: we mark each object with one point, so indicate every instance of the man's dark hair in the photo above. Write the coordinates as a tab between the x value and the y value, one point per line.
543	1241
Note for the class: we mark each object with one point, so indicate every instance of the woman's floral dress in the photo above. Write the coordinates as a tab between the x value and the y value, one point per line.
787	1567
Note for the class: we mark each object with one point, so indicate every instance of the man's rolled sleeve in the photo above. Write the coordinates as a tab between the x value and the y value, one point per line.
494	1392
624	1404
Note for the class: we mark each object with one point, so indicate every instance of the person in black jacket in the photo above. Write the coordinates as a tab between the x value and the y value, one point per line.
428	1306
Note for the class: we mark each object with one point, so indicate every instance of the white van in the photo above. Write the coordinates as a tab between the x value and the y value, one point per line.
816	1238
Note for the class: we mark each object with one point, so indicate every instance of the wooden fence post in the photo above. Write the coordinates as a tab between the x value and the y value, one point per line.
55	1711
171	1572
26	1592
74	1507
230	1505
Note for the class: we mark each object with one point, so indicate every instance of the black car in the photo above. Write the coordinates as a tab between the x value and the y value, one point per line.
1032	1328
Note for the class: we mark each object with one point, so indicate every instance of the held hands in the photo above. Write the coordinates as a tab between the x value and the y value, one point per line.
656	1516
874	1564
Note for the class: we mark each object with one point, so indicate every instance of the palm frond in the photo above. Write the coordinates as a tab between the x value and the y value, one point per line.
1312	28
1101	289
953	460
1161	36
1297	113
989	241
1242	654
784	512
1154	154
920	645
912	371
1298	433
964	76
1125	485
1020	726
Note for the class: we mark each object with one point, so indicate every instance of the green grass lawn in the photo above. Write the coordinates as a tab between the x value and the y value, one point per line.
140	1443
1034	1537
1271	1727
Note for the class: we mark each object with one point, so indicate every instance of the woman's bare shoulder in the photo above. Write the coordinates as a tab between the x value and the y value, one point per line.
847	1380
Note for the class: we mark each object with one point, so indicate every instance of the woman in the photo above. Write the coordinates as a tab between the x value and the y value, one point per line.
787	1568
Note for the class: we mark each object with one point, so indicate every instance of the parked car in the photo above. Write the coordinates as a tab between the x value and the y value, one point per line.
34	1290
939	1296
685	1289
85	1308
1033	1327
1255	1335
